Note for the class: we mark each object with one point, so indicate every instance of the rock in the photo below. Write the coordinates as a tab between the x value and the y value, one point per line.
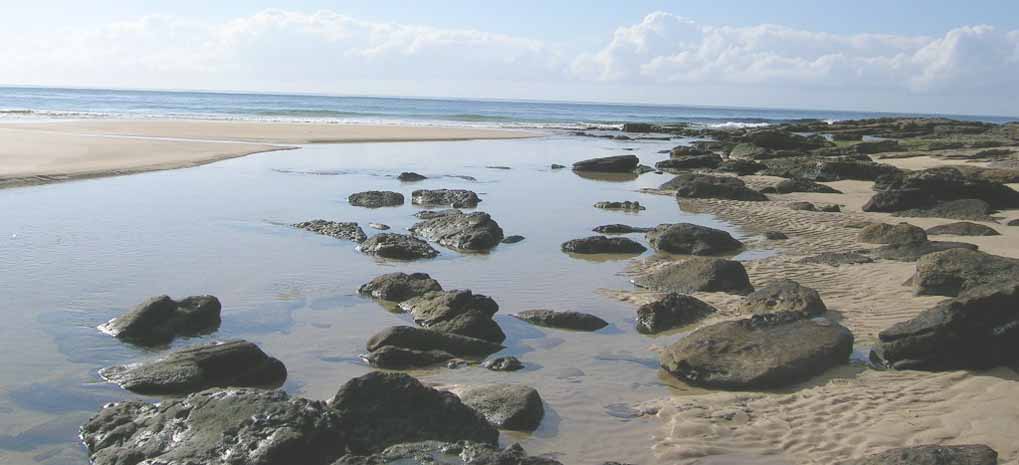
882	233
785	296
746	151
616	164
457	312
557	167
408	337
682	151
619	229
347	231
460	453
432	214
977	330
399	358
498	167
512	239
455	198
379	226
764	351
741	167
690	162
672	311
965	209
397	246
775	236
234	363
691	239
963	228
869	147
931	455
957	271
507	406
837	259
397	287
161	319
827	169
640	127
509	363
235	426
376	199
802	206
381	409
410	176
704	186
472	231
781	140
1013	223
897	199
912	251
787	186
627	205
603	245
829	208
947	183
698	274
563	320
642	169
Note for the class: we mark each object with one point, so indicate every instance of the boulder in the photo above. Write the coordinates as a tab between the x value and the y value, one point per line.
557	166
457	312
781	140
410	176
691	239
957	271
338	230
912	251
616	164
741	167
931	455
603	245
705	186
563	320
762	352
837	259
784	296
745	151
787	186
825	169
894	200
507	406
682	151
508	363
445	453
619	229
379	226
431	214
627	205
161	319
397	287
947	183
690	162
698	274
472	231
965	209
963	228
234	363
454	198
397	246
882	233
399	358
672	311
376	199
421	339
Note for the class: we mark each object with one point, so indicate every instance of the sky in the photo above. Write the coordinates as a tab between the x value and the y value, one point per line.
905	56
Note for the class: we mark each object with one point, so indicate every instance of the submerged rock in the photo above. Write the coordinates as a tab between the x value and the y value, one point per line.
957	271
508	363
563	320
161	319
379	226
458	312
882	233
409	337
691	239
963	228
472	231
619	229
397	246
603	245
410	176
931	455
785	296
616	164
399	358
339	230
507	406
627	205
698	274
397	287
513	239
672	311
705	186
376	199
454	198
234	363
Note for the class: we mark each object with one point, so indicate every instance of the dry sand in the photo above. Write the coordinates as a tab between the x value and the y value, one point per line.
35	153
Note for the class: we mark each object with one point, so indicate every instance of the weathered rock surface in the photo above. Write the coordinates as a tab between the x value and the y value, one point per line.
422	339
576	321
234	363
802	206
619	229
603	245
883	233
965	209
617	164
826	169
691	239
460	453
161	319
741	167
672	311
963	228
339	230
379	226
944	184
430	214
410	176
765	351
931	455
399	358
783	140
690	162
785	296
397	246
775	235
627	205
472	231
397	287
507	406
698	274
512	239
910	252
705	186
376	199
787	186
957	271
837	259
508	363
458	312
454	198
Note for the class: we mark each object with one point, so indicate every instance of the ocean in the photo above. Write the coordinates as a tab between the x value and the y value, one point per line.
25	103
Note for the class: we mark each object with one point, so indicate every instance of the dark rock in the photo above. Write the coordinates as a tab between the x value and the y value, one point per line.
965	209
347	231
421	339
775	236
460	453
410	176
802	206
509	363
787	186
563	320
741	167
397	287
931	455
1014	222
765	351
603	245
682	151
963	228
472	231
513	239
234	363
640	127
882	233
619	229
898	199
160	319
432	214
399	358
672	311
837	259
379	226
785	296
691	239
827	169
746	151
627	205
947	183
829	208
617	164
704	186
557	167
641	169
690	162
376	199
457	312
698	274
781	140
507	406
397	246
957	271
498	167
455	198
870	147
912	251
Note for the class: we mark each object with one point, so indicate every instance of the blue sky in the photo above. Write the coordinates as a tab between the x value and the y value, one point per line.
932	56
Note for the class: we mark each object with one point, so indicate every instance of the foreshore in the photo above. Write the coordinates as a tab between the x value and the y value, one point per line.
45	152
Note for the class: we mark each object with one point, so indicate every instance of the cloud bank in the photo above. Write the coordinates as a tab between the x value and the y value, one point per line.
663	58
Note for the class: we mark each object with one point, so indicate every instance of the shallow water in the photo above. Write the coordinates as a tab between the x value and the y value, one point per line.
76	254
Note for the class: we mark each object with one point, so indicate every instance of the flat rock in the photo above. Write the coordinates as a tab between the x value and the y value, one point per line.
931	455
379	226
472	231
445	453
765	351
576	321
616	164
422	339
883	233
671	311
948	183
802	206
963	228
837	259
234	363
454	198
376	199
627	205
826	169
457	312
692	239
741	167
913	251
513	239
957	271
698	274
507	406
399	358
787	186
964	209
397	287
705	186
397	246
619	229
690	162
784	296
410	176
508	363
603	245
161	319
339	230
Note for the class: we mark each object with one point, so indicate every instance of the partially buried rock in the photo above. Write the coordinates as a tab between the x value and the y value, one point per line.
233	363
775	236
409	337
963	228
457	312
882	233
472	231
803	206
397	246
563	320
455	198
339	230
376	199
603	245
958	271
912	251
617	164
619	229
460	453
513	239
698	274
627	205
692	239
964	209
397	287
765	351
410	176
785	295
704	186
508	363
787	186
837	259
690	162
931	455
507	406
672	311
160	319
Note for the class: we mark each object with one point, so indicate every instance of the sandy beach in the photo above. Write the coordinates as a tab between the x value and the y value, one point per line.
38	153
